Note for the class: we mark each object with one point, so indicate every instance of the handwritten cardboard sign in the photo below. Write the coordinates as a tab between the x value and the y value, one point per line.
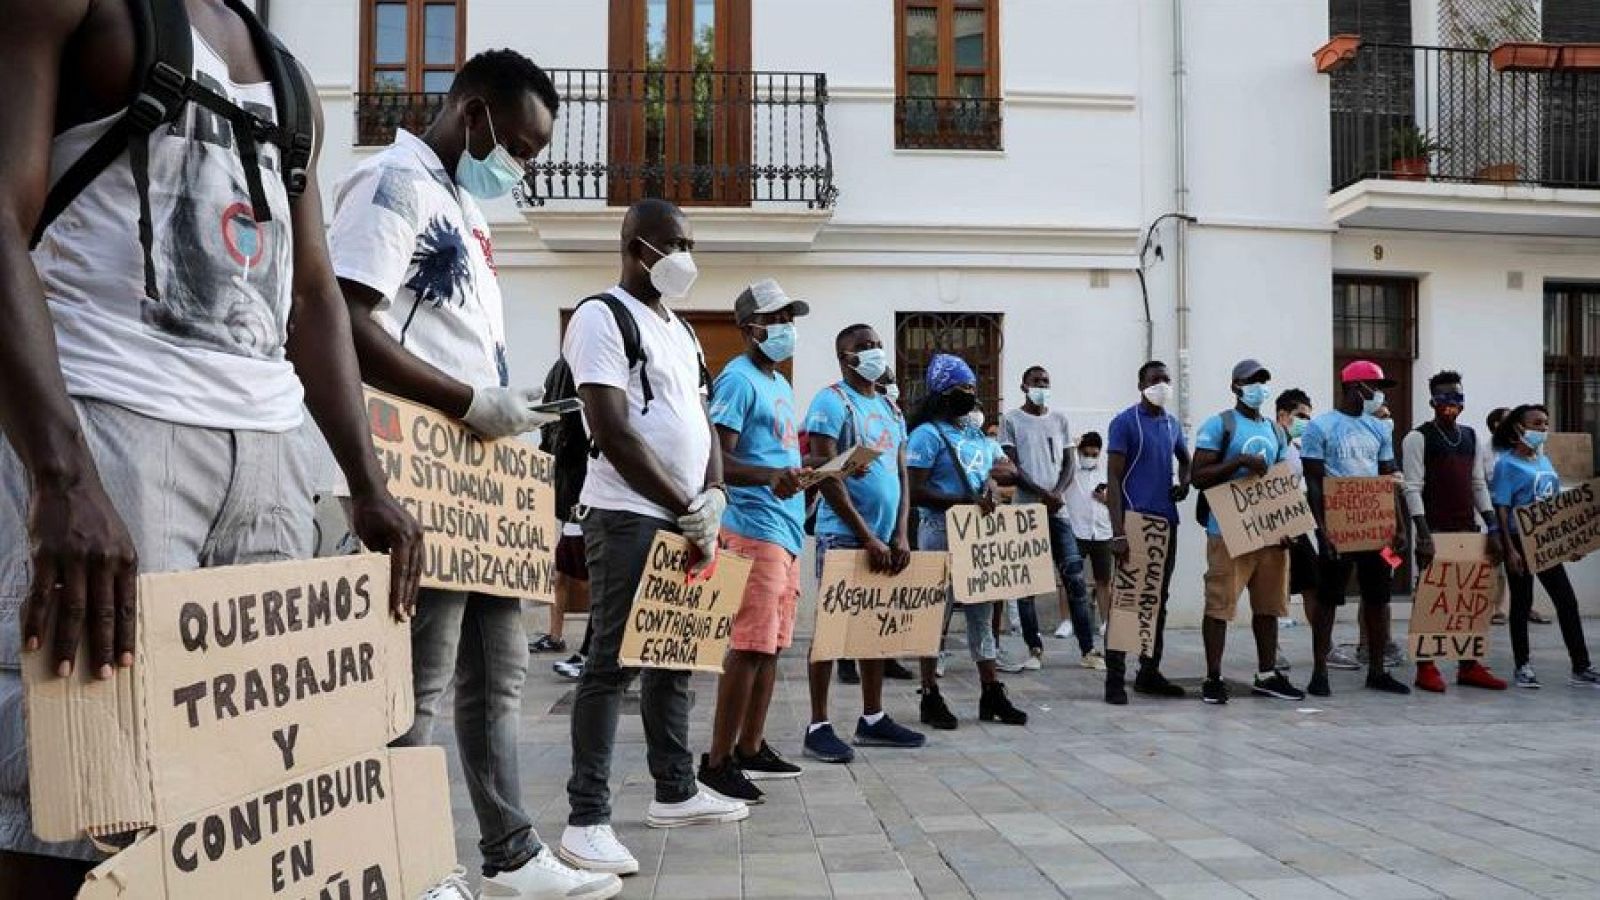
862	614
1261	511
243	676
1136	586
855	460
1572	453
677	623
487	507
1455	599
374	825
1359	512
1561	528
1002	556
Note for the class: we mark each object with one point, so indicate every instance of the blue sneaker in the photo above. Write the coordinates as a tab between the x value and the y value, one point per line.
887	733
824	746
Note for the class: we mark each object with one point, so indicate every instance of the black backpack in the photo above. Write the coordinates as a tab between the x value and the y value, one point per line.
165	85
1202	508
567	439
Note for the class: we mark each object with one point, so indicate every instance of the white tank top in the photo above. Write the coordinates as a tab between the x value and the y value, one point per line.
210	352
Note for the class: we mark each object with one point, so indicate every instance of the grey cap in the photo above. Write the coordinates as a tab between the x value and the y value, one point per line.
1248	369
764	297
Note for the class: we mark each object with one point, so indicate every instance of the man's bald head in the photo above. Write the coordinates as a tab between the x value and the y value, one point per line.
654	220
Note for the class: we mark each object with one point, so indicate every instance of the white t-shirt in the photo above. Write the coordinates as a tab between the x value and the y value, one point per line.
402	228
675	428
1091	520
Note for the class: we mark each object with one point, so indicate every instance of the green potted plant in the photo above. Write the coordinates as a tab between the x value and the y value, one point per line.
1410	150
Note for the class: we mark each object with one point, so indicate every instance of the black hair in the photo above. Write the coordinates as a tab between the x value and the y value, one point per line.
645	217
1152	364
1292	399
848	331
1446	377
1091	439
502	76
1505	435
1028	372
1493	418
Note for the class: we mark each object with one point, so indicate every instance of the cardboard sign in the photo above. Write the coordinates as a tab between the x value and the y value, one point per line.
862	614
375	825
1001	556
679	623
1572	453
1261	511
1455	599
487	507
1560	529
1359	512
243	677
1136	586
857	459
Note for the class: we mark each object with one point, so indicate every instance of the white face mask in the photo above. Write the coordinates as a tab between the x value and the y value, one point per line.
1088	463
673	274
1159	394
1039	396
892	392
975	419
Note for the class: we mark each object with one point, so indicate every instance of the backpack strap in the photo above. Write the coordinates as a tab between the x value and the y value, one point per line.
955	463
841	444
295	132
700	356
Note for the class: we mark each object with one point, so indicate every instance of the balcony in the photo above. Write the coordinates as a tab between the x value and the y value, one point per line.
947	123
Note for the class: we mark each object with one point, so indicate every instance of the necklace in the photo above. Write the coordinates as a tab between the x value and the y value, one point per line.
1446	438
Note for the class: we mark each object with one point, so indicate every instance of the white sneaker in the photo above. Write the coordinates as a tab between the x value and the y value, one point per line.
546	878
1008	665
1033	663
453	887
1064	630
938	667
704	808
595	848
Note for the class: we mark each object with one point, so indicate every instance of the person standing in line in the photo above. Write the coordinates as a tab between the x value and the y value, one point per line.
1294	416
1038	440
1091	526
867	512
655	472
1447	492
1145	443
1235	444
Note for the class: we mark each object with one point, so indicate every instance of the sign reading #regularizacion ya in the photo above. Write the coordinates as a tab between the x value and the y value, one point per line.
862	614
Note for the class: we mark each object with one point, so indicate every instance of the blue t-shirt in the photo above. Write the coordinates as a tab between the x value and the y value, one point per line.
760	407
865	422
1349	446
1519	481
1148	445
926	450
1258	437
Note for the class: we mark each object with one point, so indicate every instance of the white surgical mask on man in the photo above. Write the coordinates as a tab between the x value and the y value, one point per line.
1159	394
673	274
1088	463
1039	396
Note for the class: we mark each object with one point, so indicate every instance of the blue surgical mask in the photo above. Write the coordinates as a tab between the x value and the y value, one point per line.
871	363
1372	404
1039	396
1297	427
494	175
1254	395
1535	439
779	344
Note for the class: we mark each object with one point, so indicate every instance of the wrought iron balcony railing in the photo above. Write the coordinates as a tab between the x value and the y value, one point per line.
1445	114
379	114
947	123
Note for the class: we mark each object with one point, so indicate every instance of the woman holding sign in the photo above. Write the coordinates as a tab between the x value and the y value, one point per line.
1524	475
949	462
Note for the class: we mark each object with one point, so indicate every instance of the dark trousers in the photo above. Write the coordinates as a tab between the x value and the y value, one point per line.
1559	587
1117	660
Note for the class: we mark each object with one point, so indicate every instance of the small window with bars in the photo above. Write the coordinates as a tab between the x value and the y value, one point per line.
975	337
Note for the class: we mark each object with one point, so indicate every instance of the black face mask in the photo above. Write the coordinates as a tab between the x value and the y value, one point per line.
959	403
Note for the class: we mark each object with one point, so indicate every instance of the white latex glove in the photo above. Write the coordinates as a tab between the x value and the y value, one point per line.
704	518
498	412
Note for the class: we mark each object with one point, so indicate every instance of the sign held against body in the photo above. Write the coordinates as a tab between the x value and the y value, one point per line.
1359	512
1560	529
1454	600
1002	556
1261	511
678	621
862	614
487	508
1136	585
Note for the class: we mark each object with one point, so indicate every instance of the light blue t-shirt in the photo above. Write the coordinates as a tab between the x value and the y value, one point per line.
760	407
865	422
1349	446
1519	482
1254	436
926	450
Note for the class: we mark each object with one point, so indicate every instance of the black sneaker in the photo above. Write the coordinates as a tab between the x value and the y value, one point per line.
1116	693
1276	687
887	733
935	713
726	781
824	745
1214	691
1387	683
893	669
766	765
547	644
848	673
1318	685
1152	682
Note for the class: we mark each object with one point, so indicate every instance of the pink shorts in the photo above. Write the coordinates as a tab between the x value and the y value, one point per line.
765	621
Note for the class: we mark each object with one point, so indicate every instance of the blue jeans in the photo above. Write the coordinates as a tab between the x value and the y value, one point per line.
1064	547
980	625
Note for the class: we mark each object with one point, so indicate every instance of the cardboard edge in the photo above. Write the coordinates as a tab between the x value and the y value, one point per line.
425	840
136	873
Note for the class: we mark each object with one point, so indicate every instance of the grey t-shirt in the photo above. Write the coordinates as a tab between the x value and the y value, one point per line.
1041	443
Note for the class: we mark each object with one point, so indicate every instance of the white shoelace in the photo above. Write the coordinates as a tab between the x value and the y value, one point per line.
453	887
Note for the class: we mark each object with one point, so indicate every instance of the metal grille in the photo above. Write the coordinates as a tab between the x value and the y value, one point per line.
1375	317
960	123
378	114
1572	357
975	337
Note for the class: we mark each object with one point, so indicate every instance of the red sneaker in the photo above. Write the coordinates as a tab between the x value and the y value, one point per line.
1428	678
1477	675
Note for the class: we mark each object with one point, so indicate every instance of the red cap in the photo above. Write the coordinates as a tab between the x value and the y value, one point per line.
1365	371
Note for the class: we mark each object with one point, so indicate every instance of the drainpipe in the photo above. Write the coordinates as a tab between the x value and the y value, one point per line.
264	12
1181	207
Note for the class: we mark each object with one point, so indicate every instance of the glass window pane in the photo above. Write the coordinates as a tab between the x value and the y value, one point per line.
437	82
922	38
439	36
922	85
1591	323
389	81
389	34
970	86
969	32
705	34
1555	324
655	34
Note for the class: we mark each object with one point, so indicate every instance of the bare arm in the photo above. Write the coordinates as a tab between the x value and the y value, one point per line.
390	367
1184	463
925	496
1021	476
1398	542
836	493
1069	470
606	412
714	463
783	482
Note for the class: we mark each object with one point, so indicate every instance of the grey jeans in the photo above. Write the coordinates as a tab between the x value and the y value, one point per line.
479	642
616	544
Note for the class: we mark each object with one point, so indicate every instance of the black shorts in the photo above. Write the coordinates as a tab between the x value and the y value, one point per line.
1302	566
570	559
1098	553
1374	578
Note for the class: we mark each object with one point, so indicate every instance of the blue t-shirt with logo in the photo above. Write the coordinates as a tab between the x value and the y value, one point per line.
1147	444
1519	482
1349	446
926	450
1258	437
760	407
840	413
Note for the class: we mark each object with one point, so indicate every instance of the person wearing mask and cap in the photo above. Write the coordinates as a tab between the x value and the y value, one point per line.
759	436
949	463
1234	444
1349	442
1145	442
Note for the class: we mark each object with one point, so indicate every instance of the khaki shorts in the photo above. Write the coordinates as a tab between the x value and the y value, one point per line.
1265	572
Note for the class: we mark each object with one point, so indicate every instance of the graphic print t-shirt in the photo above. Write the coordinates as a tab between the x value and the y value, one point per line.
839	411
1519	482
210	351
975	452
1349	446
1256	437
760	407
402	228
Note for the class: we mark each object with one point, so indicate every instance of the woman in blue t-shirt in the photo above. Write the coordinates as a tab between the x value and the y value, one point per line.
1524	475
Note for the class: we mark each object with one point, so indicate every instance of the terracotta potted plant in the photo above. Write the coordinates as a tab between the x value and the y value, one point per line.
1579	58
1337	52
1410	151
1524	56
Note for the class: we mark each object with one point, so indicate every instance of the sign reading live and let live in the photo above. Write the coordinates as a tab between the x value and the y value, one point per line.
1359	512
1136	588
244	677
1560	529
1454	600
1002	556
681	620
487	507
862	614
1261	511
